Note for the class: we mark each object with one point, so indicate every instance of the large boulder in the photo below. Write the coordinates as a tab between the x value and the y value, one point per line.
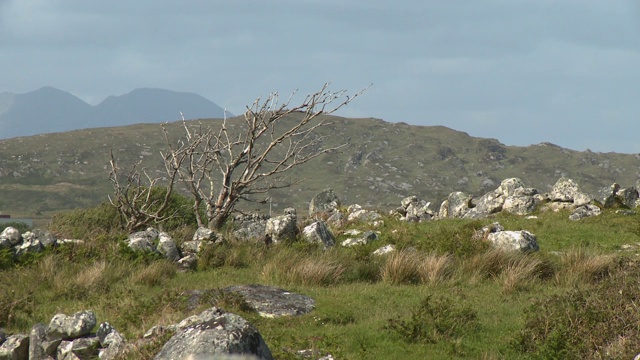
37	337
216	335
30	244
111	341
45	238
324	202
514	240
71	327
143	240
201	238
271	302
282	228
167	247
519	205
250	227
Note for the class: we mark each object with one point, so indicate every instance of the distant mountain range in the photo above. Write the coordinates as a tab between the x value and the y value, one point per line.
49	110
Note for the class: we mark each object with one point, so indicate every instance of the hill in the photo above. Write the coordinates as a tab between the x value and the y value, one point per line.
49	110
381	163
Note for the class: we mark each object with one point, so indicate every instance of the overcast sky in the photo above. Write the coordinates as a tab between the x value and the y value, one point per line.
520	71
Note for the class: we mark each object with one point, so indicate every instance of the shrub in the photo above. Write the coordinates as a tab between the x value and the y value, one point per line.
435	319
591	323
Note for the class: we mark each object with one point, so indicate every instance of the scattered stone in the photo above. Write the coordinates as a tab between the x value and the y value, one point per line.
10	235
514	240
483	233
385	250
80	348
366	238
584	211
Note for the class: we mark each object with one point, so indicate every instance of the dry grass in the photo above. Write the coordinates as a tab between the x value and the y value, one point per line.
520	272
304	269
410	267
154	274
579	266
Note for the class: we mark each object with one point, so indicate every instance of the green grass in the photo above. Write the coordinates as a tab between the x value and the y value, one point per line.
440	296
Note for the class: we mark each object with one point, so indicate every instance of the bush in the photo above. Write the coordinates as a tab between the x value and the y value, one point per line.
435	319
591	323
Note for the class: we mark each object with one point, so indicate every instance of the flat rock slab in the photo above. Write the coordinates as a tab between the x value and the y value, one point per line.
269	301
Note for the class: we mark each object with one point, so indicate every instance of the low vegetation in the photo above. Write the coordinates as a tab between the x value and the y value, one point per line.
440	295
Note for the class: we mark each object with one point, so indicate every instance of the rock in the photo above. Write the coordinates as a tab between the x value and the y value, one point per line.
15	347
205	234
514	240
519	205
628	197
30	244
487	204
272	302
324	202
253	230
337	219
79	349
167	247
409	201
44	237
456	205
282	228
483	233
37	337
318	232
71	327
363	215
188	262
385	250
221	334
111	341
366	238
566	190
584	211
143	240
10	235
508	187
3	336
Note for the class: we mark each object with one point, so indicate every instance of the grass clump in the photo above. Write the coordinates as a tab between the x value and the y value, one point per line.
315	269
412	267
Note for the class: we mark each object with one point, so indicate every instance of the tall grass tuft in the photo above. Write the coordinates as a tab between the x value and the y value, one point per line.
154	274
579	266
304	269
411	267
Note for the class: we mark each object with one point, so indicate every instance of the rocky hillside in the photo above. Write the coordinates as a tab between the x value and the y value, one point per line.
380	164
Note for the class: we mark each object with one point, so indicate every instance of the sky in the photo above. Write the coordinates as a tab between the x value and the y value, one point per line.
520	71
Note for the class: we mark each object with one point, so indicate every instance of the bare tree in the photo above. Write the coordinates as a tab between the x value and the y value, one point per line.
222	166
134	195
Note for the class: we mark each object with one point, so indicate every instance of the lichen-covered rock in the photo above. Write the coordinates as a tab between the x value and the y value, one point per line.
37	337
282	228
584	211
71	327
84	348
325	201
205	234
11	236
221	334
514	240
456	205
363	215
167	247
508	187
269	301
30	244
366	238
483	233
387	249
318	232
567	190
111	341
44	237
143	240
15	347
519	205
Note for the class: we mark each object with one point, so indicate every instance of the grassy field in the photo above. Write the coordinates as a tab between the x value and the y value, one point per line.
441	295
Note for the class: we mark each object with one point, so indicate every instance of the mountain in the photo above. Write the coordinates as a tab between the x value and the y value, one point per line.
379	164
49	110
